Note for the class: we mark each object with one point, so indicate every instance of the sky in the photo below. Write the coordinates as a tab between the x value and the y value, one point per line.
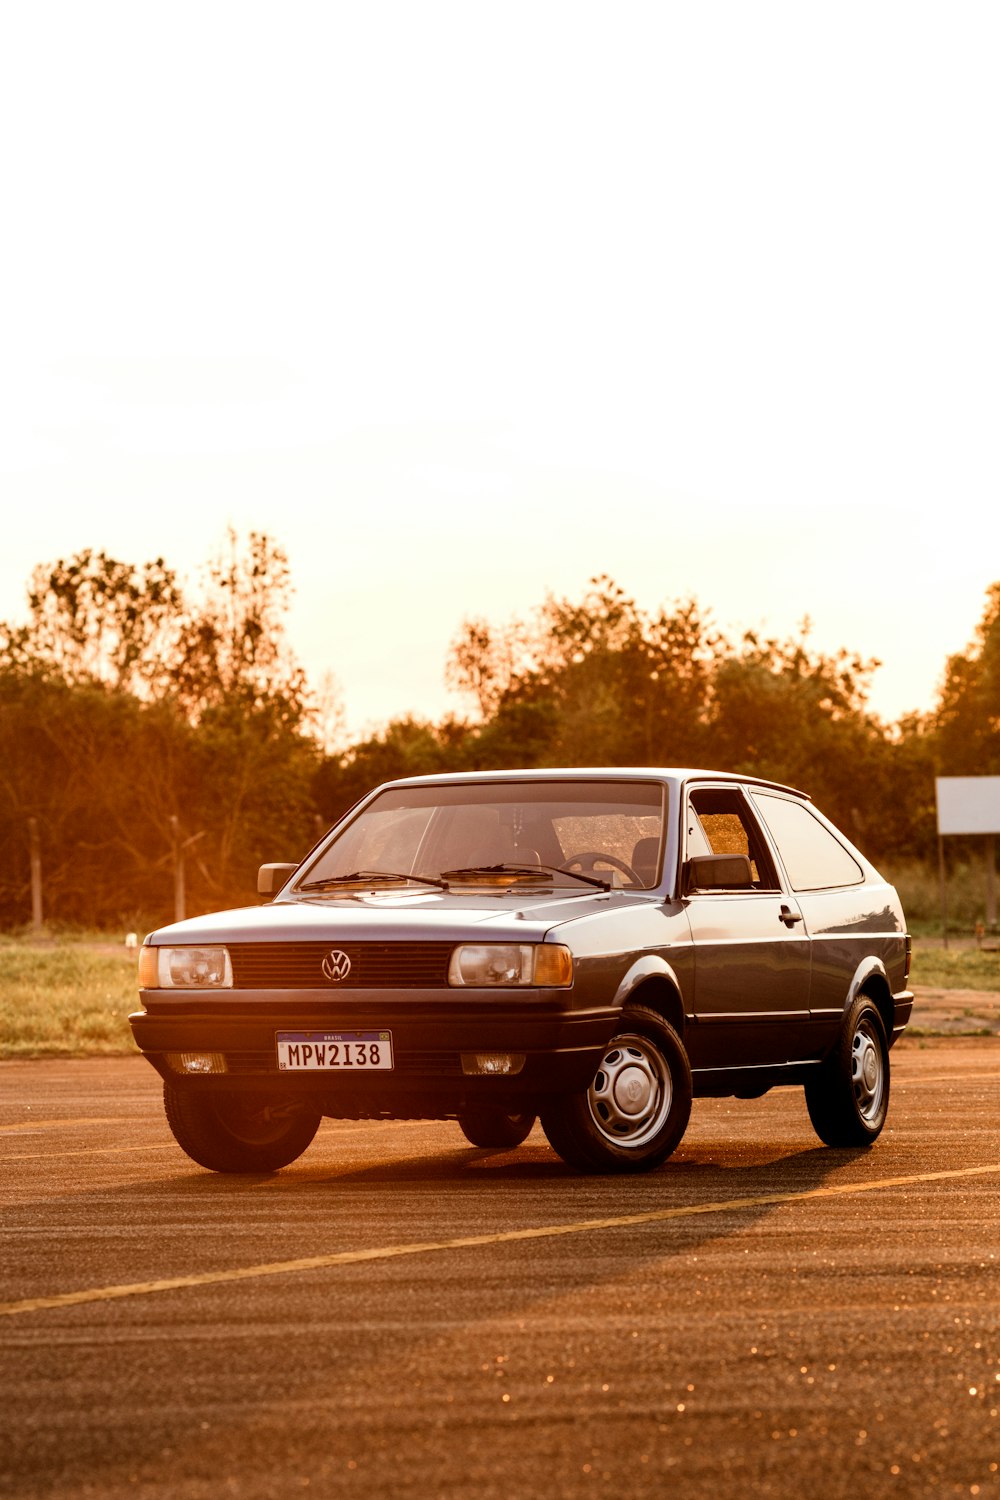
464	304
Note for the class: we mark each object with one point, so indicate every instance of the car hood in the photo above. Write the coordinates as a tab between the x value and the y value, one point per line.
393	916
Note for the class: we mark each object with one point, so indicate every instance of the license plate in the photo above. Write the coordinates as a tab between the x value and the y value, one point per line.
321	1051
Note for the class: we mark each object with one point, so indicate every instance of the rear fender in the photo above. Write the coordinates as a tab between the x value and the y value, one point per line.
870	978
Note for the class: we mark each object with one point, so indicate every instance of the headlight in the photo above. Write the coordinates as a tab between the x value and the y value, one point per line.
483	964
185	969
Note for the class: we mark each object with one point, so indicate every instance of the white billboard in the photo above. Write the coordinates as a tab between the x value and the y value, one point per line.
968	804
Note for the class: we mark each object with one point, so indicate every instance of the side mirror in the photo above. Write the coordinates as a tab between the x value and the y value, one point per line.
271	878
718	872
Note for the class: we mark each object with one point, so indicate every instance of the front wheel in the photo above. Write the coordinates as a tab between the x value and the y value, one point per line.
238	1132
637	1108
848	1095
494	1127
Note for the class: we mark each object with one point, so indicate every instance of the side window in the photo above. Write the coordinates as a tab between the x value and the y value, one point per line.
720	822
814	859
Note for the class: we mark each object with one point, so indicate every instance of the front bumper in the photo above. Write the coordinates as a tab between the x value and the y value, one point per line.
562	1046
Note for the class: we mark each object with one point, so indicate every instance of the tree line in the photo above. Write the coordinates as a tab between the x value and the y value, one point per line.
142	724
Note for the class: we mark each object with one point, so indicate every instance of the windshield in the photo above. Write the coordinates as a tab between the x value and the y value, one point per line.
539	832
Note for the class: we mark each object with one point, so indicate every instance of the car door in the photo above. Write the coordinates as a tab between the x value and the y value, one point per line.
850	917
751	950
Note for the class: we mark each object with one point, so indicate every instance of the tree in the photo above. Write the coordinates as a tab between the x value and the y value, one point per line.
596	681
406	747
96	620
600	681
93	619
100	771
967	718
784	711
232	647
629	687
485	661
130	716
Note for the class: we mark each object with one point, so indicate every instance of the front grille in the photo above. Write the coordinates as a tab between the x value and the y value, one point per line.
374	966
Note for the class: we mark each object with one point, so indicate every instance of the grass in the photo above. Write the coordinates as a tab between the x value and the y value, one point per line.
954	968
920	892
71	997
67	1000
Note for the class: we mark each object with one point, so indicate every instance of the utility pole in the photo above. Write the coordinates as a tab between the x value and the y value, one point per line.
178	847
943	886
178	853
34	846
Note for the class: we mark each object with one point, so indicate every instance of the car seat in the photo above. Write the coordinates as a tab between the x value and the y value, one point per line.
643	861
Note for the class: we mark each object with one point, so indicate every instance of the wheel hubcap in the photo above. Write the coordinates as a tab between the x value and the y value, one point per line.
868	1071
631	1094
633	1087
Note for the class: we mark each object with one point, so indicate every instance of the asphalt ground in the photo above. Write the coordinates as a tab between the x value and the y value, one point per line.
399	1314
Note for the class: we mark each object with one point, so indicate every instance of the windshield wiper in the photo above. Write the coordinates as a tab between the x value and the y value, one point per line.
363	877
536	870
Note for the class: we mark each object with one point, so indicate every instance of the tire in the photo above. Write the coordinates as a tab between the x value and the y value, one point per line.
494	1127
253	1132
636	1110
848	1095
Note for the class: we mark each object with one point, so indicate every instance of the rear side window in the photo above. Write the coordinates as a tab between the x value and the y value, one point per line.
814	859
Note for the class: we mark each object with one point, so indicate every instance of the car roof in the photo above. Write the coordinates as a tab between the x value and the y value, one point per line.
679	775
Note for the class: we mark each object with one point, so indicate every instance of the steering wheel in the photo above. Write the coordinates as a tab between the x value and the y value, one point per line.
591	857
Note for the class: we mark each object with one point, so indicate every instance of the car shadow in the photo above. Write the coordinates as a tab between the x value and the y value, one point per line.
707	1170
189	1221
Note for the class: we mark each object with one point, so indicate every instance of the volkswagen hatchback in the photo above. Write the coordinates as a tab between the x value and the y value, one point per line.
591	948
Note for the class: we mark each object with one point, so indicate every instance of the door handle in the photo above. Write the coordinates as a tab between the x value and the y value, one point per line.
788	916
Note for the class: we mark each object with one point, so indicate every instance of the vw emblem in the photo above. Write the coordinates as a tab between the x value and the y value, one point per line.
336	966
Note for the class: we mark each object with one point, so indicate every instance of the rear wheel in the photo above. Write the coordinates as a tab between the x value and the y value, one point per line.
253	1132
637	1108
848	1095
494	1127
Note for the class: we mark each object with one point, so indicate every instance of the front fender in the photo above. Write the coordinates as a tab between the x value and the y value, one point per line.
650	967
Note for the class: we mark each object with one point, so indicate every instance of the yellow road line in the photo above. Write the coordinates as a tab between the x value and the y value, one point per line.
89	1120
465	1242
58	1156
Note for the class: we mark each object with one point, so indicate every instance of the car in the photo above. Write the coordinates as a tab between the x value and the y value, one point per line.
588	948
